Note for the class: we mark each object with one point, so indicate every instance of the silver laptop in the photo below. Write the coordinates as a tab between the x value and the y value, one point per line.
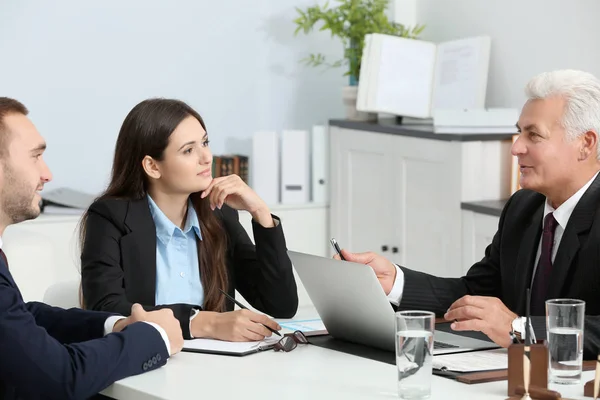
353	307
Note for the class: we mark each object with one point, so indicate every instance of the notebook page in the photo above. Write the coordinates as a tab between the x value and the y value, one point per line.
461	73
485	360
223	346
405	76
364	77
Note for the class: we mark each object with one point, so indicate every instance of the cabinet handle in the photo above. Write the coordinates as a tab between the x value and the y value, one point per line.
384	248
394	249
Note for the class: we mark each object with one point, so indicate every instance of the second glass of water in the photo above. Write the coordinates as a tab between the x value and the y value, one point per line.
564	323
414	352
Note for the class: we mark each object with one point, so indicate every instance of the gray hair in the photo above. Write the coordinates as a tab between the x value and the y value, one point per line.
581	91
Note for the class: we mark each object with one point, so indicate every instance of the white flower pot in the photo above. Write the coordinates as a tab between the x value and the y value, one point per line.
349	96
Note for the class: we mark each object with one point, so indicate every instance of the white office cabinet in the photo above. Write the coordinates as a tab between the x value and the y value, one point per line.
478	232
401	196
426	197
362	191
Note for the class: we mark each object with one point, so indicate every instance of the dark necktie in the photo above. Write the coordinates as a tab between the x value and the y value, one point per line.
544	267
4	258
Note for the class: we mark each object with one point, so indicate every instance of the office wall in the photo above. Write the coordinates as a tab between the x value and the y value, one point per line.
80	66
528	37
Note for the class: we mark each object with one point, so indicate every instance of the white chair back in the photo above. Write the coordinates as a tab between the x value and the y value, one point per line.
63	294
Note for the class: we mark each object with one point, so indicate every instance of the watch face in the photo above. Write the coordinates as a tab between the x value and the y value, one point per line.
517	327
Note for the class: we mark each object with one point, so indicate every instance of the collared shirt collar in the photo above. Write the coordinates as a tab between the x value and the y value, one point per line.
165	228
564	211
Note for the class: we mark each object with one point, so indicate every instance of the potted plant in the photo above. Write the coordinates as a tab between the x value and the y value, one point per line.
350	21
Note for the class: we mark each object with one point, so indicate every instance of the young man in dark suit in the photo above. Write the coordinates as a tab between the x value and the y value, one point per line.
47	352
558	153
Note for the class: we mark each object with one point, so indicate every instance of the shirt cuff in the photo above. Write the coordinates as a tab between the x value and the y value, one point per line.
163	334
110	322
396	293
191	318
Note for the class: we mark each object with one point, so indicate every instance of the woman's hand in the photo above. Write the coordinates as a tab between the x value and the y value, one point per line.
233	326
234	192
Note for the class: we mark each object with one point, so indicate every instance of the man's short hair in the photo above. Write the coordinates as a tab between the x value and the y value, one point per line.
581	91
8	106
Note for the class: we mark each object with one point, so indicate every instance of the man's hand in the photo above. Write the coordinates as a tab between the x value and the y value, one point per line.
384	269
484	314
121	324
165	319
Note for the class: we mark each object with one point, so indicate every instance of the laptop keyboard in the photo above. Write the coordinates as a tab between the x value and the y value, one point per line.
442	345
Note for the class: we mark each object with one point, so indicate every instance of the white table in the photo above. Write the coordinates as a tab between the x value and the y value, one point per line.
305	373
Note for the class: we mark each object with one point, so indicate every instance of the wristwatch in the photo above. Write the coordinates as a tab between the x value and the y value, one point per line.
518	328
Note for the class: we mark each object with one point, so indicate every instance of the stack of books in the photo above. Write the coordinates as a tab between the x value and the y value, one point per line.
230	164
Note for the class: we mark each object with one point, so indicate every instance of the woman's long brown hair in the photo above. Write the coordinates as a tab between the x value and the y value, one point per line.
146	131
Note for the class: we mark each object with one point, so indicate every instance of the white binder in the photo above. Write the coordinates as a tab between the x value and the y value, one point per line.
266	166
320	164
294	167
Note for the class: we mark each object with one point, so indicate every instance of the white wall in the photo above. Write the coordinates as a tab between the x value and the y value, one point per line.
528	37
80	66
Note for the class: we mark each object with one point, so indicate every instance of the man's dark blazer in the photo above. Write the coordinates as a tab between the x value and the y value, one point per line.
506	270
48	353
118	262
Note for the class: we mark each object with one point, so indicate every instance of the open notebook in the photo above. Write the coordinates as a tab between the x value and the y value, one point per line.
473	361
212	346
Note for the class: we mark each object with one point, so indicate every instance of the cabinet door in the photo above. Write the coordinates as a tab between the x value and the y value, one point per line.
426	204
478	232
360	189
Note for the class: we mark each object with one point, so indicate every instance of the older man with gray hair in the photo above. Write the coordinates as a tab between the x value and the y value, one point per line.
558	150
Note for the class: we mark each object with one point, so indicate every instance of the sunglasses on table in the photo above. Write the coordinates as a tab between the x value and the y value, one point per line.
289	341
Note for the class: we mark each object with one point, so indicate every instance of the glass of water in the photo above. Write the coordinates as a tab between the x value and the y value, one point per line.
414	351
564	323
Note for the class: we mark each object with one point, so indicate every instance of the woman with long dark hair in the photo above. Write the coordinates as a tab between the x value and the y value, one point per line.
166	234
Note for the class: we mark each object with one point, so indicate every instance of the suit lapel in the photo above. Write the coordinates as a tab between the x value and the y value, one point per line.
141	242
579	223
6	272
526	257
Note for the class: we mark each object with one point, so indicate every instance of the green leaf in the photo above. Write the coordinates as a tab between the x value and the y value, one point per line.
350	21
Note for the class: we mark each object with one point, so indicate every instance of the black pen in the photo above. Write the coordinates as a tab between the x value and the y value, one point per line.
245	308
336	247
